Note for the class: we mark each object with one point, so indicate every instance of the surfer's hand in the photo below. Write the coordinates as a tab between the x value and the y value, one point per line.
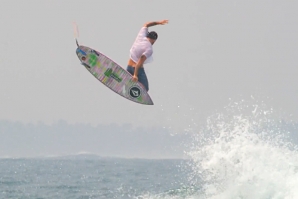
163	22
135	78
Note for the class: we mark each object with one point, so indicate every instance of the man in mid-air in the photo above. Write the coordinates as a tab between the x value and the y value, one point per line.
141	52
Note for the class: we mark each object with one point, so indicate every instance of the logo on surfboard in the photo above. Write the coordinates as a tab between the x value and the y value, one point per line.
109	73
134	92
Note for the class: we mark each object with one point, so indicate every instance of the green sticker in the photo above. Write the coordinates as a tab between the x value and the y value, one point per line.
92	60
109	73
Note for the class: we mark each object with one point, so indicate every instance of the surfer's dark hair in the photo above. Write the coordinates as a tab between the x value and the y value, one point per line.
152	35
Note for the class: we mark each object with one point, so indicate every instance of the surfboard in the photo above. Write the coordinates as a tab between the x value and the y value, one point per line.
112	75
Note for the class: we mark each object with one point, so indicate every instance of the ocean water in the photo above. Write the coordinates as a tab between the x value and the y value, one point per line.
88	177
242	153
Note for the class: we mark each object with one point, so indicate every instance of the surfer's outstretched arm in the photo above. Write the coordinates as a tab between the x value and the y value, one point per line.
154	23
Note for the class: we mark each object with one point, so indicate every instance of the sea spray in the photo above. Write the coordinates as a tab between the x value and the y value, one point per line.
240	155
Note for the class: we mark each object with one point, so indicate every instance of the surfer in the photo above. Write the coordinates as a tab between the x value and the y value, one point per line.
141	52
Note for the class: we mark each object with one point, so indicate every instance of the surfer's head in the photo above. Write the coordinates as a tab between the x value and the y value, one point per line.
152	36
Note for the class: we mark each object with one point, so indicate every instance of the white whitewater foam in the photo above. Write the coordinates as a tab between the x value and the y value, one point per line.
249	157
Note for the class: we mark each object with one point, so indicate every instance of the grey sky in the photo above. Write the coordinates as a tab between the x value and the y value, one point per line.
209	52
62	139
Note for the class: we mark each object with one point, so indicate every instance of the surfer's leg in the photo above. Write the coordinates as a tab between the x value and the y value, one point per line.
143	78
130	69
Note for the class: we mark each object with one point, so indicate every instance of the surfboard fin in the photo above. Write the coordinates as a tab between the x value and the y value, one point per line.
77	43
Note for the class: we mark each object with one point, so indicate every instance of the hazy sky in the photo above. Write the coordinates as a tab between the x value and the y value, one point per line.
209	53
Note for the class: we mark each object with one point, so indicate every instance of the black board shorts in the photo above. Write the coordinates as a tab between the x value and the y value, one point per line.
142	77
